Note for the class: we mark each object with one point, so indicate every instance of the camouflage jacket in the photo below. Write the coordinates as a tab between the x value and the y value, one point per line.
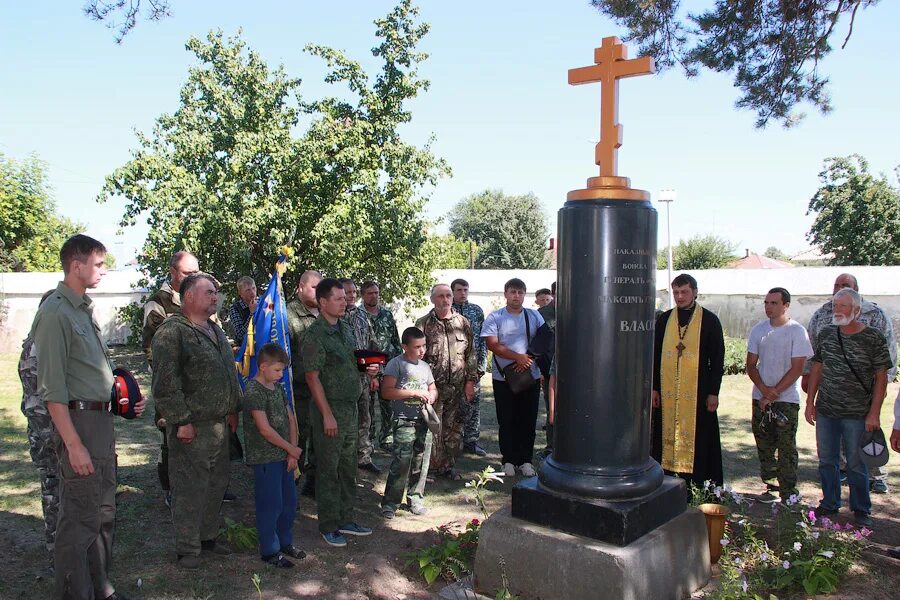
162	304
475	316
549	314
449	348
385	329
32	403
327	350
359	329
194	377
299	319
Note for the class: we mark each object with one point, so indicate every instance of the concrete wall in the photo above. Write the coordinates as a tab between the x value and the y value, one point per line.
734	294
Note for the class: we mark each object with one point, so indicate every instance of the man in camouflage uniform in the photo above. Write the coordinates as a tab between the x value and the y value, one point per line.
471	410
165	302
333	380
387	340
449	350
40	438
302	312
870	315
362	338
548	311
197	392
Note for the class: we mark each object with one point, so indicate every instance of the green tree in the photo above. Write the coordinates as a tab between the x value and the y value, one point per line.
450	252
31	231
773	47
776	254
699	252
857	214
227	176
511	231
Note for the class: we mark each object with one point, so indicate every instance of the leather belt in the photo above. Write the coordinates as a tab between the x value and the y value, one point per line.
87	405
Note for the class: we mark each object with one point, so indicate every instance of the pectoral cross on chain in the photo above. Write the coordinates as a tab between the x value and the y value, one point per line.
680	347
611	65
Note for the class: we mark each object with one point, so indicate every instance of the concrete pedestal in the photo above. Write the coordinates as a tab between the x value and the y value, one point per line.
545	564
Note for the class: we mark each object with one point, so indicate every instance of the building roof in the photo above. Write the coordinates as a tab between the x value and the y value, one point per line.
758	261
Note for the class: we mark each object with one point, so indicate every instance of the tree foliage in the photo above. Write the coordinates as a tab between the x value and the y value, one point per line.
511	231
122	15
699	252
776	254
31	232
773	47
857	214
451	252
228	178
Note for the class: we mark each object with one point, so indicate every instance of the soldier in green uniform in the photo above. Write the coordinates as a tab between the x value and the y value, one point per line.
472	410
363	338
449	350
163	303
302	312
333	381
75	380
41	444
387	339
197	392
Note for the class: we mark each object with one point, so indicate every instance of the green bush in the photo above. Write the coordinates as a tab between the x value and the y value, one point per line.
133	315
735	356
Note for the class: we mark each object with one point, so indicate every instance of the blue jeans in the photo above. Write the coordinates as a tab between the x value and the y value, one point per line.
829	433
276	505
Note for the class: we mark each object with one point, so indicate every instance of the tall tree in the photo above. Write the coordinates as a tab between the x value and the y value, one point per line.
699	252
857	214
31	231
227	177
776	254
773	47
511	231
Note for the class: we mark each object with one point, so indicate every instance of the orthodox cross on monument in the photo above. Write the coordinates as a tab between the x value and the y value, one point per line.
611	65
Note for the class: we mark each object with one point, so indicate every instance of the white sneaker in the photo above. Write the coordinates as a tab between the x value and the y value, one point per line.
509	470
527	470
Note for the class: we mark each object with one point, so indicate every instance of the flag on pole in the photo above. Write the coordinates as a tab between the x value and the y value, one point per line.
268	323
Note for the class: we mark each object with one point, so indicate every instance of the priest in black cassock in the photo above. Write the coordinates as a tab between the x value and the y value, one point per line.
689	354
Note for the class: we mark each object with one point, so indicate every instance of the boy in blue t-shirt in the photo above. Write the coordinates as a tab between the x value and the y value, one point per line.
408	384
270	439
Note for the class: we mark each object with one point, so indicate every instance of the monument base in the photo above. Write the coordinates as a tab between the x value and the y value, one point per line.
618	522
672	561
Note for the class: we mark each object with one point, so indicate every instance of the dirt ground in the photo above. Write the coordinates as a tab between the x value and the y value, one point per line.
368	568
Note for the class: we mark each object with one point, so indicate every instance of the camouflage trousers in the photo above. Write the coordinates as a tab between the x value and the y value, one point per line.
199	476
364	444
777	436
302	401
335	468
448	407
471	418
42	447
409	467
384	434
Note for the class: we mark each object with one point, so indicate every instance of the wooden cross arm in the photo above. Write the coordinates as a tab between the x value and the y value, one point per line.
620	69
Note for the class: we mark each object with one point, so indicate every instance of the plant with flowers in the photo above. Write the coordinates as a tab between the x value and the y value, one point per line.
804	551
710	493
453	556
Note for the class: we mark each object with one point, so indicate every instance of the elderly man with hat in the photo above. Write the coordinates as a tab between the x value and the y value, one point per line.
847	385
197	392
75	379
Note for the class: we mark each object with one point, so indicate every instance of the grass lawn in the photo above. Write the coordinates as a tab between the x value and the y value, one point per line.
372	567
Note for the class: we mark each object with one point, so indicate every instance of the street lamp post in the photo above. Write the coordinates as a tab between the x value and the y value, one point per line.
668	196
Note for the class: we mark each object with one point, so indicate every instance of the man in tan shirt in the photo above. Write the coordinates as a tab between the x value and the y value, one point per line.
75	379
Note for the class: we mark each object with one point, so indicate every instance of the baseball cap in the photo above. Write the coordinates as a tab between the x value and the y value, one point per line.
873	449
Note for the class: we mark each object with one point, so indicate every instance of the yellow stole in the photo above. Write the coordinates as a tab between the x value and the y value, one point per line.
678	380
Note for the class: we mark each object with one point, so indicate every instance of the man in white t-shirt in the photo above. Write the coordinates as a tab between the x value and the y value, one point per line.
507	332
776	352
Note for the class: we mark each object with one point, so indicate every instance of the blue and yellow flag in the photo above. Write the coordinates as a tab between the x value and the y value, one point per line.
269	323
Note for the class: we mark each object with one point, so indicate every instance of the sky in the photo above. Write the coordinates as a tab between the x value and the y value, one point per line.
499	107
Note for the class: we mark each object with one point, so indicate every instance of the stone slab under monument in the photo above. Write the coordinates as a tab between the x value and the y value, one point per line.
600	520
